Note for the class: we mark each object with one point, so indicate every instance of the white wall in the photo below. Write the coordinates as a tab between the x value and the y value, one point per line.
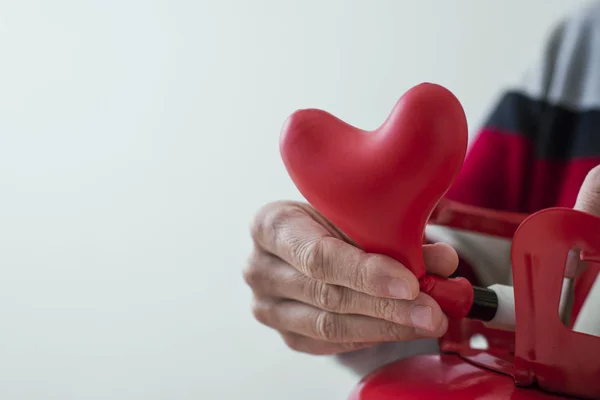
137	138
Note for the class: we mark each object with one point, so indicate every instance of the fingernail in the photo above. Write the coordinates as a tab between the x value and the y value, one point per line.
422	317
399	289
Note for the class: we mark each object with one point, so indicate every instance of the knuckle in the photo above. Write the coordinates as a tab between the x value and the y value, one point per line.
271	220
252	273
328	327
362	280
328	297
395	331
262	311
386	309
368	266
311	256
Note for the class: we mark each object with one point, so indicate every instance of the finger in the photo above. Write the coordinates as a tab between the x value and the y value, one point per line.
312	346
588	200
280	280
261	274
306	320
291	234
440	259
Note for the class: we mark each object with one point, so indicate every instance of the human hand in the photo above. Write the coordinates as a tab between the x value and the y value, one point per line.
588	200
325	296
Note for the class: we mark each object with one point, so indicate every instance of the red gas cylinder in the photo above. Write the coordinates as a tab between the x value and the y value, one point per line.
382	187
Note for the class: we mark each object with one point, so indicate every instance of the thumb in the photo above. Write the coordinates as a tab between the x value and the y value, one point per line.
440	259
588	200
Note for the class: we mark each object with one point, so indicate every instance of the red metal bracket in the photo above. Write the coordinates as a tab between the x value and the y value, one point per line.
547	352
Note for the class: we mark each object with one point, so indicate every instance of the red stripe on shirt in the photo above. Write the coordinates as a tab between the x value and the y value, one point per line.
501	173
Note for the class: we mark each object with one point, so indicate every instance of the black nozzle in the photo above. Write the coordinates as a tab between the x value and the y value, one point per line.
485	304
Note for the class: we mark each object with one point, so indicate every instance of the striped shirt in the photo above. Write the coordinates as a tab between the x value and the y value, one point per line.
532	152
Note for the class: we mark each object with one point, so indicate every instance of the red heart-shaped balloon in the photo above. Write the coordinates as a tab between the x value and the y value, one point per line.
381	186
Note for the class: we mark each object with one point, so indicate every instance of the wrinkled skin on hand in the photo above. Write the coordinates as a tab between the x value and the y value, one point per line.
324	295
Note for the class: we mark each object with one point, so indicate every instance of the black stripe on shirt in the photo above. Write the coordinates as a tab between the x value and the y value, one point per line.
558	133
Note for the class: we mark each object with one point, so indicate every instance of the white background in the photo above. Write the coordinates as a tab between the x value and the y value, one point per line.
137	138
